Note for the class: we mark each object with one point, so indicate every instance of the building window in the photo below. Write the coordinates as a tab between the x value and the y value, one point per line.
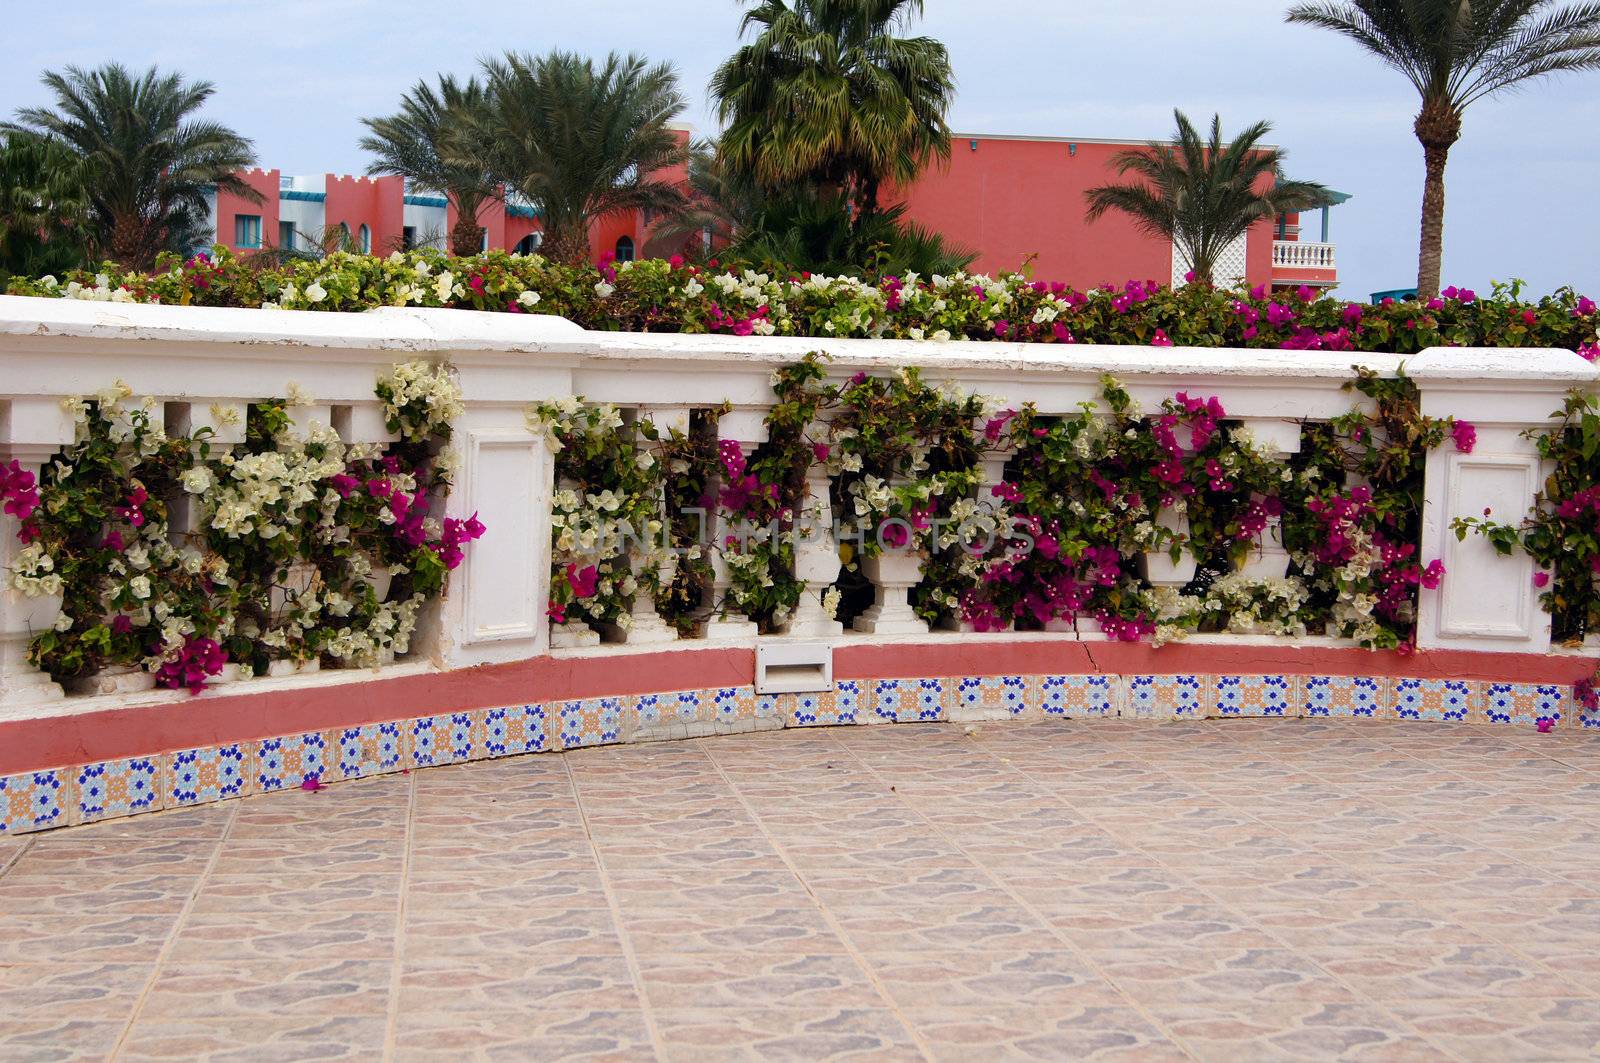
247	230
408	237
484	245
530	243
624	249
366	240
286	236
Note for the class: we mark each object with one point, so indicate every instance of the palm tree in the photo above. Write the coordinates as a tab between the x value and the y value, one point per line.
1202	193
42	207
435	142
801	229
1454	53
720	203
828	95
582	142
149	166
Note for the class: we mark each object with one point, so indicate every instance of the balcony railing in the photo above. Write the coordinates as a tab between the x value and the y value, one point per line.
196	362
1300	254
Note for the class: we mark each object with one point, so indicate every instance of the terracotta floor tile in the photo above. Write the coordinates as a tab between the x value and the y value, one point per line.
57	1040
1000	1032
529	1032
255	1038
82	991
784	1034
1229	1032
552	978
753	979
268	989
96	894
1043	976
1499	1028
1358	890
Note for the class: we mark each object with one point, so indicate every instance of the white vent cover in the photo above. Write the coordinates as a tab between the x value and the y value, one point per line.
794	668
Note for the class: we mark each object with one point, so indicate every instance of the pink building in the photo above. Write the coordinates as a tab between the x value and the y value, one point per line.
1019	200
1015	200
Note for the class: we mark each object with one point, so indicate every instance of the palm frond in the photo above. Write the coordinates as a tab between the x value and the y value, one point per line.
1200	191
583	141
147	164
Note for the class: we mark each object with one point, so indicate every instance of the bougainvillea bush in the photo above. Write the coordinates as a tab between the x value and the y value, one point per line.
1066	533
659	295
176	555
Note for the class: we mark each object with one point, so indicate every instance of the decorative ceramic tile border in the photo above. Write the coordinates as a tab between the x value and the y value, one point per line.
1183	697
1361	697
1253	695
90	792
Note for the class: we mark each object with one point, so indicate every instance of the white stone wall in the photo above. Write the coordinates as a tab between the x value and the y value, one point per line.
201	357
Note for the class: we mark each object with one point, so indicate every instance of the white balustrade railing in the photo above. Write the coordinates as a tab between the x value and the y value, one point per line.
203	362
1302	254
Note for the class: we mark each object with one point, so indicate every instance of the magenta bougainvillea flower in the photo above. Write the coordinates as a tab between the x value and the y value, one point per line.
199	660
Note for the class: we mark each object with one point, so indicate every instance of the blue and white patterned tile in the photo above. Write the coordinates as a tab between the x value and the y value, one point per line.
1359	697
286	763
35	800
1523	704
1586	716
587	722
666	715
1166	697
1253	695
838	707
1075	697
371	749
445	739
731	704
514	730
909	700
115	788
685	706
201	776
647	710
1444	700
990	697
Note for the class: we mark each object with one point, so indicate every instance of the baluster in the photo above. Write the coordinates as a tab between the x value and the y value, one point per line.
32	430
816	559
302	418
223	423
646	626
748	428
992	467
575	631
356	424
361	422
1275	439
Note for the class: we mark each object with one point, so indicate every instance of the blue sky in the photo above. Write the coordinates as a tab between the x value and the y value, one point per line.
297	75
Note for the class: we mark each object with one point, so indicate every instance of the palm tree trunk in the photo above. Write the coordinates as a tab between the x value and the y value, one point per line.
562	244
466	236
130	241
1438	127
1203	264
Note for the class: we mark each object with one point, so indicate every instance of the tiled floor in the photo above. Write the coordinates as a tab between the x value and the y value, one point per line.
1229	890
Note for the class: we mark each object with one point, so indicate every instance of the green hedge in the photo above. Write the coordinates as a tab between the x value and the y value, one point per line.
672	296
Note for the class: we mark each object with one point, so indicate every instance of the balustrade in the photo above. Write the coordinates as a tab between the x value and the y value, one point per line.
208	366
1303	254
